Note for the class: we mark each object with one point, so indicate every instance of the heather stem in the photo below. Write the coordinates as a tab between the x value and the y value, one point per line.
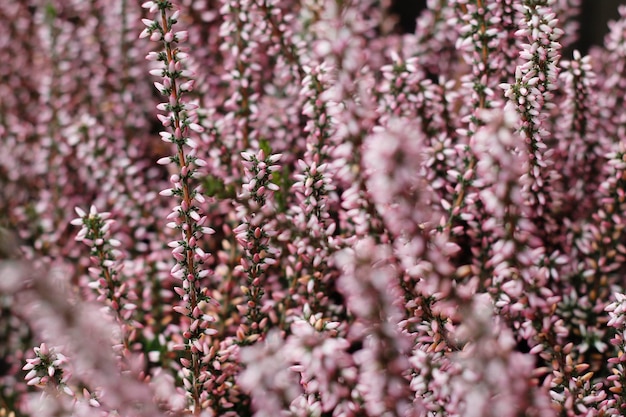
481	41
187	216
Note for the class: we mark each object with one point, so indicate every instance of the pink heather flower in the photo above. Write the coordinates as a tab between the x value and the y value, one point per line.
188	215
500	165
107	264
46	368
496	380
532	94
369	283
273	386
582	144
393	162
256	235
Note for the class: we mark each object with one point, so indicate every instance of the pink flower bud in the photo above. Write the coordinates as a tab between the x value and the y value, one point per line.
182	36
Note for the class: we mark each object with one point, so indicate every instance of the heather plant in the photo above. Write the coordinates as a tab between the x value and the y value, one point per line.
292	208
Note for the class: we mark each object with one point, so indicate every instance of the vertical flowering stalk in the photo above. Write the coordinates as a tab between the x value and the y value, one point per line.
499	168
606	252
313	242
311	238
513	268
242	37
341	39
319	125
481	44
531	93
254	234
186	217
579	144
107	265
393	163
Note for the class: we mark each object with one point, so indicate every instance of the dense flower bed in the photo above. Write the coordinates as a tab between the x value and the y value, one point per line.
289	208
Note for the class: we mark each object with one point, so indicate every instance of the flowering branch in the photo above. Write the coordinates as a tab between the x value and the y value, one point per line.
186	217
255	234
531	93
95	233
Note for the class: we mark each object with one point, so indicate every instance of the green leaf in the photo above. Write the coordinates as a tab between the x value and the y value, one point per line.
215	187
50	12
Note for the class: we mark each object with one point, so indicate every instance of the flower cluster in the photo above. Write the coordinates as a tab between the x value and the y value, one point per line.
310	212
256	233
186	217
96	234
46	368
532	95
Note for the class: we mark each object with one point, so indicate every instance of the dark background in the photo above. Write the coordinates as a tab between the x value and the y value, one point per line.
593	19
